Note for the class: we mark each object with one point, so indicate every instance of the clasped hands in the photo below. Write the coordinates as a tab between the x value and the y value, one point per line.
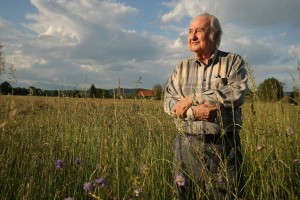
202	112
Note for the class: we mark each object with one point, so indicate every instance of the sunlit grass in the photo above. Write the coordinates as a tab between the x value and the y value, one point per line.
129	144
271	145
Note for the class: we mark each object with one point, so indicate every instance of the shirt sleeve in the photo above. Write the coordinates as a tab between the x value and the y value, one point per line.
233	93
172	91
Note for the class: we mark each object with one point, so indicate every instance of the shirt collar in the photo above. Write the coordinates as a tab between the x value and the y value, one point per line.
212	59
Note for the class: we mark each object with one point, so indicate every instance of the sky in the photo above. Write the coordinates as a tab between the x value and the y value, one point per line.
63	44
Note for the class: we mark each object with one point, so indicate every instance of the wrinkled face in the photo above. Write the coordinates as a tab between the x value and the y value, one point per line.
198	36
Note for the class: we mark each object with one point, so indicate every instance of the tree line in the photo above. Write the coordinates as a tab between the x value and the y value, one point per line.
269	90
7	89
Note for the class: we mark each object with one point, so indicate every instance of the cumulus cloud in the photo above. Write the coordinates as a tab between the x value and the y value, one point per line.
5	27
83	37
69	22
242	40
96	29
261	13
183	8
294	51
177	44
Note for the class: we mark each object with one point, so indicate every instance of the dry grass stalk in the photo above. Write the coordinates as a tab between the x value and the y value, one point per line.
12	113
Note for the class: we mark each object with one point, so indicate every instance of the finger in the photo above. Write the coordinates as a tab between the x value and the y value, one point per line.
212	107
179	113
174	111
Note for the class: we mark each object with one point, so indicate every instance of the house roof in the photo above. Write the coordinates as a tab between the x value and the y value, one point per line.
145	93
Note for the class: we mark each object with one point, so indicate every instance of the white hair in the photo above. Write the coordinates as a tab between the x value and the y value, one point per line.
216	30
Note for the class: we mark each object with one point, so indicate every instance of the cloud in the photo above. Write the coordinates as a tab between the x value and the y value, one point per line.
294	51
242	40
176	14
5	27
262	13
183	8
95	29
83	38
69	22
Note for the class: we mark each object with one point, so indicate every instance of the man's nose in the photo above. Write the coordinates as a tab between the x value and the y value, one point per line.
194	36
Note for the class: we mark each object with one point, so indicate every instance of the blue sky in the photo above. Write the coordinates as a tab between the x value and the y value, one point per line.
56	44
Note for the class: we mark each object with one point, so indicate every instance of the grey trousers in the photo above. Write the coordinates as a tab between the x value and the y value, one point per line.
210	166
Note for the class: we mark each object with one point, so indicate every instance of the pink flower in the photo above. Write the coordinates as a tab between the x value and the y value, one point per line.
180	180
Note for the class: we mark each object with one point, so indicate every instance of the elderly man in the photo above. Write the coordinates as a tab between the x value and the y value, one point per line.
204	95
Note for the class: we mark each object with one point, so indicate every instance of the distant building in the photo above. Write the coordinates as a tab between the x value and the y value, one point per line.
145	93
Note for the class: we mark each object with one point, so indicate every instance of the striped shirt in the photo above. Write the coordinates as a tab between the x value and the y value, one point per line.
223	82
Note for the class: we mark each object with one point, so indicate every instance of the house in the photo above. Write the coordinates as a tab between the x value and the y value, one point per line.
145	93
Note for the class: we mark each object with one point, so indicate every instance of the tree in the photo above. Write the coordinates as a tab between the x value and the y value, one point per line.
33	91
158	90
102	93
5	88
92	91
295	95
20	91
270	90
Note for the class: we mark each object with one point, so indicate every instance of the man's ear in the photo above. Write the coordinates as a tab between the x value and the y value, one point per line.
217	33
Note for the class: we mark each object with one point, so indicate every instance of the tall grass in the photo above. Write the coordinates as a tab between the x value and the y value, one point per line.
271	149
129	144
114	139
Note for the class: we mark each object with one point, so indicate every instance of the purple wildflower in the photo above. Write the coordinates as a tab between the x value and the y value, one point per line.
69	198
87	186
180	180
77	161
100	182
59	165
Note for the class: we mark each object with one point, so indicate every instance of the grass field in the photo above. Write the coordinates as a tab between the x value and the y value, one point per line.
51	148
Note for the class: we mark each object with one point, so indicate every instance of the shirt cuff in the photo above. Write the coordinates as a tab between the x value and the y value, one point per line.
190	114
197	99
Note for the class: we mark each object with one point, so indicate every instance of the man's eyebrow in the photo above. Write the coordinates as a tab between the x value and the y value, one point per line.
198	28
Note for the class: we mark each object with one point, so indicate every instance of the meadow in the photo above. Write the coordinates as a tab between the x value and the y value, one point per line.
54	148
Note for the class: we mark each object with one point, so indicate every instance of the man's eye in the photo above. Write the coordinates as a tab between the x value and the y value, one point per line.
199	30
